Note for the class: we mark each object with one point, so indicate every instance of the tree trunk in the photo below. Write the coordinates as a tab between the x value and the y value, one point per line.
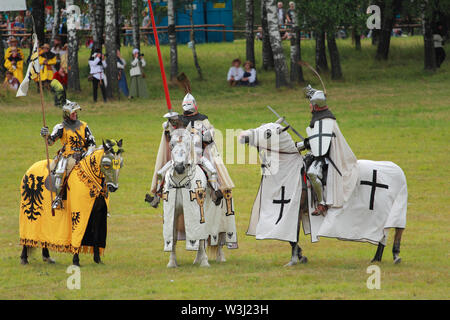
249	25
38	14
391	7
296	55
321	55
172	39
267	54
336	71
99	23
135	23
56	21
111	47
118	7
430	55
357	38
73	82
194	51
281	69
92	22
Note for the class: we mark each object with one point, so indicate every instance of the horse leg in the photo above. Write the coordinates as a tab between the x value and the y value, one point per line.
46	256
379	253
396	246
220	253
24	256
296	255
173	256
203	256
76	260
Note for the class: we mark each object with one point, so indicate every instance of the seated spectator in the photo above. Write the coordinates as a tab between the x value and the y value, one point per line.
249	77
235	72
13	43
61	76
259	33
14	64
47	60
10	83
18	26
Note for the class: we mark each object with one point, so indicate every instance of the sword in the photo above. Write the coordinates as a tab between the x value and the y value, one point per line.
286	123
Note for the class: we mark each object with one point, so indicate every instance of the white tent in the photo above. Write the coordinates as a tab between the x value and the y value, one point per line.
13	5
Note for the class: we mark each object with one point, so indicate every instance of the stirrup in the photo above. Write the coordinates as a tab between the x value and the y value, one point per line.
57	203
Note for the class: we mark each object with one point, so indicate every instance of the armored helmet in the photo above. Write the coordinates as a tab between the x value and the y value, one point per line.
70	107
316	97
189	104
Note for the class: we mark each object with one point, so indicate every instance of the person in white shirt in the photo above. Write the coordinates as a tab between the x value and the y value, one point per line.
249	77
138	87
235	73
438	47
97	65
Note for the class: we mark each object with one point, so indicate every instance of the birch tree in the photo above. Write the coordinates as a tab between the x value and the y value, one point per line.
281	69
389	9
296	56
172	39
73	82
99	22
111	47
56	20
249	25
192	38
135	24
92	21
267	54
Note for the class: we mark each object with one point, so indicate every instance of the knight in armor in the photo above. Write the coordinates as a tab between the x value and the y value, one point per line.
77	141
205	150
331	164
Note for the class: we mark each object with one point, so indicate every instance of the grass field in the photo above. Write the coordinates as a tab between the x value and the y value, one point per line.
387	111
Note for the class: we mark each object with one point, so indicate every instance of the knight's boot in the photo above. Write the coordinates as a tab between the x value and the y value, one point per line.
320	210
315	175
59	178
57	203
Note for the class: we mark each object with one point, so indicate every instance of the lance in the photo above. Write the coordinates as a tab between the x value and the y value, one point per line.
161	64
41	94
286	123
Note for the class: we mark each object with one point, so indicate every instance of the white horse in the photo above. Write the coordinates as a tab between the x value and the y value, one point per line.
187	206
284	200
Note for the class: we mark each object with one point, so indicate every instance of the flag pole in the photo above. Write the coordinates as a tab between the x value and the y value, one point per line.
161	64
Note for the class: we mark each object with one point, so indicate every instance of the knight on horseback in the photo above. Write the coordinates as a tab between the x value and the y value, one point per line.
331	162
77	141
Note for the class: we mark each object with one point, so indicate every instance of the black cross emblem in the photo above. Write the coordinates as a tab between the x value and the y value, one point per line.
320	135
282	201
374	185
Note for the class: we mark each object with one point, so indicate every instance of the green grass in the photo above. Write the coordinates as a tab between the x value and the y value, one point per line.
387	111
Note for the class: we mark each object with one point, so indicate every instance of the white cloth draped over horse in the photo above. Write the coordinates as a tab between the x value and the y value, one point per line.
193	196
378	202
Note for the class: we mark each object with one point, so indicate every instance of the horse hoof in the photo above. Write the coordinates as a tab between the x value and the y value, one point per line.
303	260
23	262
221	259
204	264
76	263
397	260
172	264
48	260
291	263
375	260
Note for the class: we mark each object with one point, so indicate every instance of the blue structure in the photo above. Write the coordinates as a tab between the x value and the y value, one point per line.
205	12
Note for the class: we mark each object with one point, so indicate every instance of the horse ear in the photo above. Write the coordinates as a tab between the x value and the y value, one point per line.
119	143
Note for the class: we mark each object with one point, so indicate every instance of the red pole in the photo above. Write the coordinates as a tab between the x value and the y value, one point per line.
161	64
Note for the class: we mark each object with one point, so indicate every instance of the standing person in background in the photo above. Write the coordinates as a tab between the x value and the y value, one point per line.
249	77
48	19
97	65
138	87
63	57
14	64
235	73
47	60
438	46
123	86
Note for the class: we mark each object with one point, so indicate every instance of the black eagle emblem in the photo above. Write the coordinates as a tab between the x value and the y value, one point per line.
76	143
32	195
75	220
